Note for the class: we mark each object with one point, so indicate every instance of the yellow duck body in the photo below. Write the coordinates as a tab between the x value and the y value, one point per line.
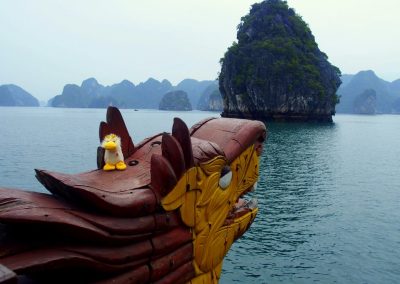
113	157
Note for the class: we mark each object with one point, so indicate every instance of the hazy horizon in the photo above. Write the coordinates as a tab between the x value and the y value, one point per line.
47	44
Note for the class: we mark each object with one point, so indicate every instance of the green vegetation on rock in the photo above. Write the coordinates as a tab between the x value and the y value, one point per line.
175	100
276	68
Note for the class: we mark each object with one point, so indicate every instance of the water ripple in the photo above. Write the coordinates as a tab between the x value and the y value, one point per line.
328	214
328	194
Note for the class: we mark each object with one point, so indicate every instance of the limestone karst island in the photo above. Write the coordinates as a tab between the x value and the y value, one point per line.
117	167
276	70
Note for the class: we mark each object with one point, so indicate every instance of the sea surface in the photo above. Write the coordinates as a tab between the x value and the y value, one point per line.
329	194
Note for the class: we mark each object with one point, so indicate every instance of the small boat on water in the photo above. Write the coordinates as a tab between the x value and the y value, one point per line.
169	217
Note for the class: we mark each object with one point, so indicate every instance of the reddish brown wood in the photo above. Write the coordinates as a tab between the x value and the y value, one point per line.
167	242
108	259
104	129
110	225
181	133
204	150
139	275
100	157
200	123
32	208
115	124
86	189
9	245
166	221
170	262
181	275
232	135
120	193
163	177
47	259
172	151
115	254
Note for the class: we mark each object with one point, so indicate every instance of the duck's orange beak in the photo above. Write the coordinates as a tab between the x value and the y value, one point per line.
111	146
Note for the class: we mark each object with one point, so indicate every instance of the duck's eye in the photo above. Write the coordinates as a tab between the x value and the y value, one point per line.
226	177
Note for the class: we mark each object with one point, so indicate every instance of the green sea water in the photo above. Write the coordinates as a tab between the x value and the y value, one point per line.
329	194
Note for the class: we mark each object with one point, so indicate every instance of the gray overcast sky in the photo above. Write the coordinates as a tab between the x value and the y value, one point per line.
45	44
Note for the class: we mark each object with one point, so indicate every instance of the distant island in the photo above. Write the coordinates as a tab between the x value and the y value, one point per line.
366	93
175	100
13	95
276	70
146	95
361	93
211	99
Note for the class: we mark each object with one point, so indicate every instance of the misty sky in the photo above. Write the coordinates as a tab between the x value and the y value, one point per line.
45	44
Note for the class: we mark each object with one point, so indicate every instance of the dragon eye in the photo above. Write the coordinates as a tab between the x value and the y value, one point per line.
226	177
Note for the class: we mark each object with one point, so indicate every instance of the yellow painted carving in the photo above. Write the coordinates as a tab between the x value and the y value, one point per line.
204	207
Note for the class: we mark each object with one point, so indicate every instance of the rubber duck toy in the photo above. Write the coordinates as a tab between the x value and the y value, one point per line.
113	157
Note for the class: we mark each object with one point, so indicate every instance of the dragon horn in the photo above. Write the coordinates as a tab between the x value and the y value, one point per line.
181	133
163	178
176	157
104	130
172	151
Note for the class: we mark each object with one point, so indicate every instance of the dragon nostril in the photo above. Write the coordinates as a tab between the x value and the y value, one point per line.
259	149
155	143
133	162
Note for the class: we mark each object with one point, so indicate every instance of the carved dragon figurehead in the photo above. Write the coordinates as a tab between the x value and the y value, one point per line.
170	217
208	193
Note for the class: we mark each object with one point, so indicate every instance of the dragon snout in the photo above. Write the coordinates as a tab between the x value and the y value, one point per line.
259	144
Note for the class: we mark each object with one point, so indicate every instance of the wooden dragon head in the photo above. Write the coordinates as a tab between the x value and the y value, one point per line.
208	194
170	217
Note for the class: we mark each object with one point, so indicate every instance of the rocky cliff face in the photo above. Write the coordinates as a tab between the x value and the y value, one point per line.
210	99
386	93
276	70
396	106
125	94
72	96
175	100
194	89
12	95
365	103
215	102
